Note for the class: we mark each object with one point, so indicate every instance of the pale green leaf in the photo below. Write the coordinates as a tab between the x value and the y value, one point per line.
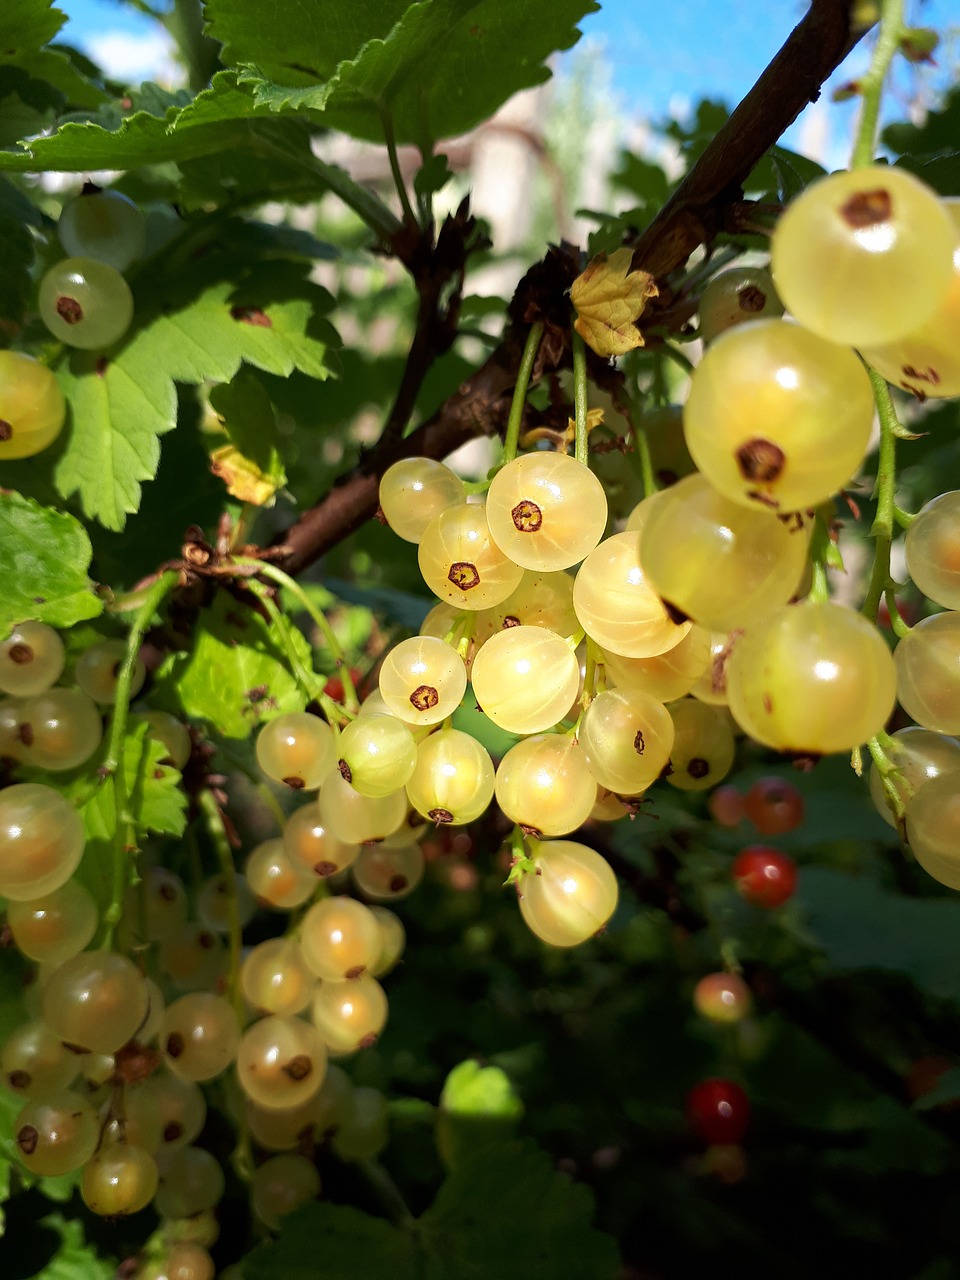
44	557
237	674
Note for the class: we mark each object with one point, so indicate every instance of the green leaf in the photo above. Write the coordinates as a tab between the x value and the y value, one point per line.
237	675
435	68
17	215
337	1241
251	465
941	173
158	803
859	925
26	105
58	68
26	25
783	173
160	127
508	1202
642	178
44	557
193	326
75	1259
181	494
938	133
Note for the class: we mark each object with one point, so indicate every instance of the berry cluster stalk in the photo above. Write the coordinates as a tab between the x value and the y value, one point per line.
114	763
871	86
581	445
512	438
881	584
350	700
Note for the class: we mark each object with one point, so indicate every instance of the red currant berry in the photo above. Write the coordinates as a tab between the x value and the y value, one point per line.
334	688
765	877
774	806
718	1111
722	997
726	806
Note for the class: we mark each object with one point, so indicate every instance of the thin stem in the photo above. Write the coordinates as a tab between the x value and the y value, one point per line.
521	862
678	357
308	680
879	748
368	207
221	843
871	85
885	490
581	443
897	624
114	764
408	215
320	620
642	446
512	437
904	518
387	1192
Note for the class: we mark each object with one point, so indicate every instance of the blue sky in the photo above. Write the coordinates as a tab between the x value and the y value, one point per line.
660	55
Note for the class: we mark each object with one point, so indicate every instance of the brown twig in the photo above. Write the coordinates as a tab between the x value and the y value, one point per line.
697	209
700	206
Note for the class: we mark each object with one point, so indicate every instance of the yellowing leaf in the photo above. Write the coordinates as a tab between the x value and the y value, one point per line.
243	478
251	465
608	298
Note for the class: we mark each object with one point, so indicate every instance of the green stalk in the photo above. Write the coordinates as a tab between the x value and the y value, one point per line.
871	86
879	748
408	215
882	529
368	207
113	765
217	832
512	437
642	446
307	680
320	620
582	444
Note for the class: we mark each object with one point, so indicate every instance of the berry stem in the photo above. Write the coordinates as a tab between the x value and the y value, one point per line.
885	491
387	1192
221	843
115	765
642	446
888	771
897	624
350	700
581	446
871	85
512	437
368	207
521	862
409	216
307	680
